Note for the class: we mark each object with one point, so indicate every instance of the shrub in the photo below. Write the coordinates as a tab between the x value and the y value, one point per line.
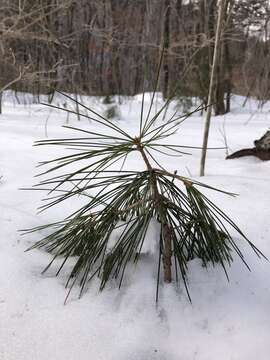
190	224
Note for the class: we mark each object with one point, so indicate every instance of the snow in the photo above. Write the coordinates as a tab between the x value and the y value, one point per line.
225	320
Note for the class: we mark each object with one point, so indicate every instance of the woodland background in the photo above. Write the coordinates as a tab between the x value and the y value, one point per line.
106	47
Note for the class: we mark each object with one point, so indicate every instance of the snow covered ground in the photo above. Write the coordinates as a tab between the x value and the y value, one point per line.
226	321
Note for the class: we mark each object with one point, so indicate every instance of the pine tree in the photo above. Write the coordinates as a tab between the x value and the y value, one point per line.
190	225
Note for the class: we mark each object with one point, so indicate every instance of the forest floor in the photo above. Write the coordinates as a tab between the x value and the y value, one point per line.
226	320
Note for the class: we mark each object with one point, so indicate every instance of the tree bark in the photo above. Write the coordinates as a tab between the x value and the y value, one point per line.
165	227
211	86
167	253
261	154
166	44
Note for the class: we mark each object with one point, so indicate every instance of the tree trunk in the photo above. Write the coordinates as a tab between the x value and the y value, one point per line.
166	231
211	86
223	77
167	253
220	83
228	78
166	44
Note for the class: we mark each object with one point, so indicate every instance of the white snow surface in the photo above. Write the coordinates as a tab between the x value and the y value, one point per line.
226	320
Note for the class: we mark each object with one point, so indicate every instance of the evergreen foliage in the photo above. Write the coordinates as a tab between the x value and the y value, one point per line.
191	226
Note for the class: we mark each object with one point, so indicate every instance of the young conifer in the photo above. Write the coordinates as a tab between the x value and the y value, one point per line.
191	226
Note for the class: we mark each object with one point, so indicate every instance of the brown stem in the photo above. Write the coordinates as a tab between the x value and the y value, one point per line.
167	253
165	228
137	142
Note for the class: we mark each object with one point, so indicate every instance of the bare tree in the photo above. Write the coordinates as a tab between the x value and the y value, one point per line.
22	24
106	47
212	84
166	44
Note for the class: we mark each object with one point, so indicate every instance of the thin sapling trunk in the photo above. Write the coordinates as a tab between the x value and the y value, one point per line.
212	86
166	234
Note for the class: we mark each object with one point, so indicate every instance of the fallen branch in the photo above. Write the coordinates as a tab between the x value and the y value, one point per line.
261	154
